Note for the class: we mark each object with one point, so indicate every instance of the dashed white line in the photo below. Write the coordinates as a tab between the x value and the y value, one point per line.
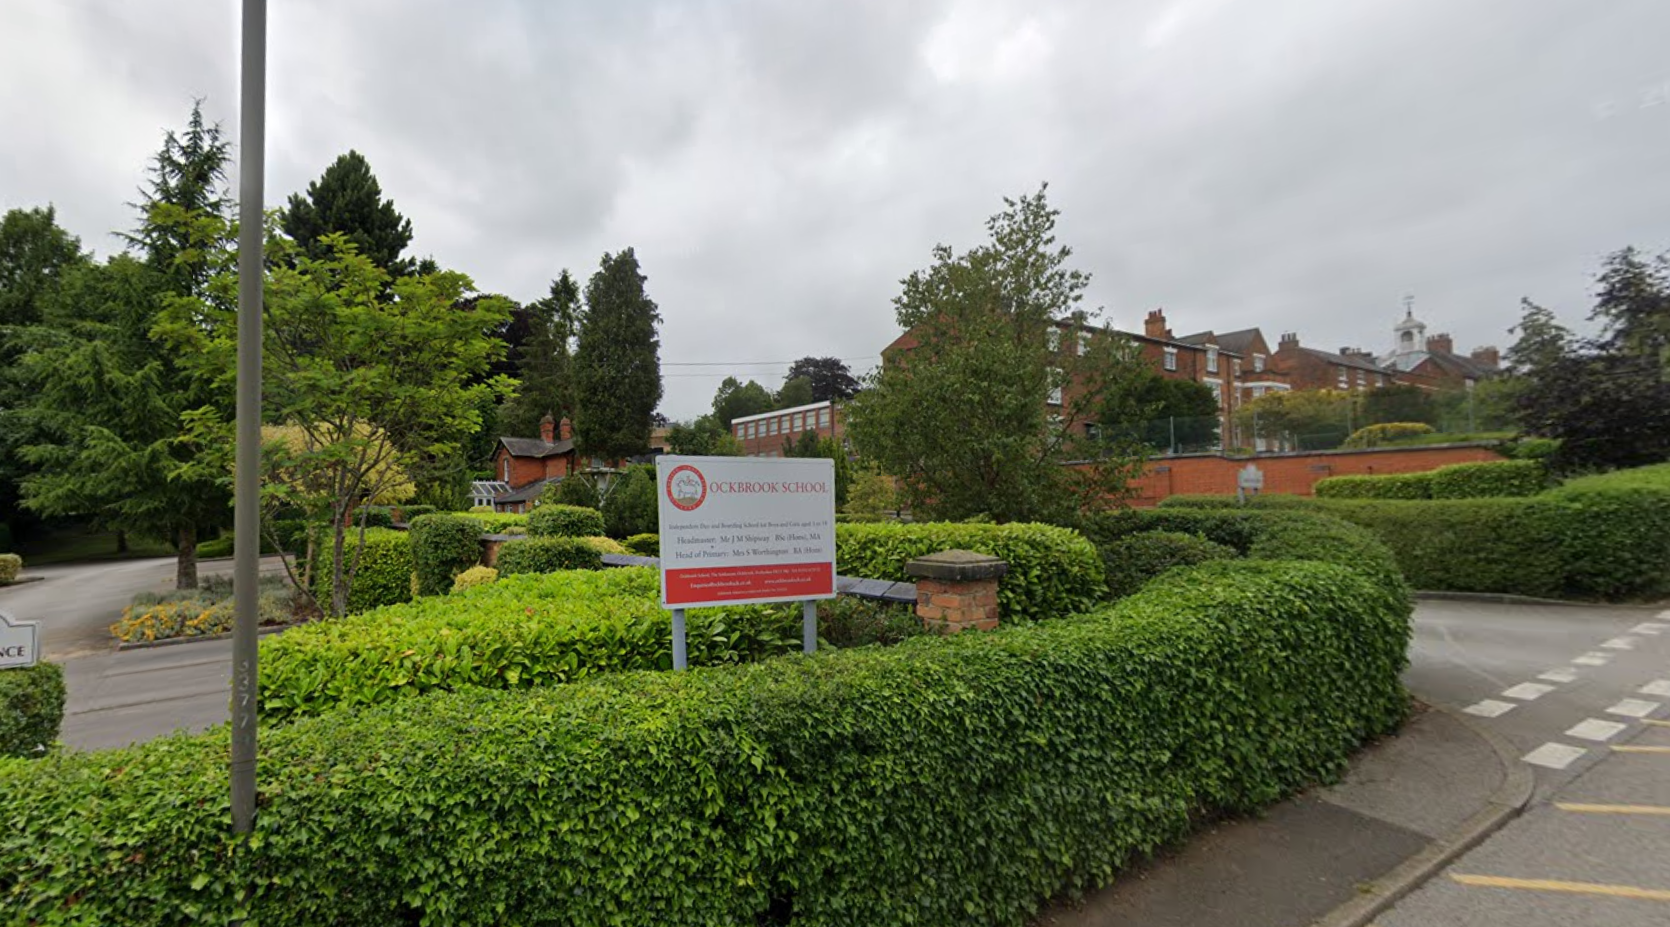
1592	658
1620	643
1634	708
1648	627
1528	691
1560	675
1554	755
1659	687
1489	708
1596	729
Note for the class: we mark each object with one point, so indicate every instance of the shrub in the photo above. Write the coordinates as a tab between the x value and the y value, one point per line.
31	708
644	545
1132	561
7	542
411	513
564	521
500	522
1378	486
859	518
1530	448
632	506
374	516
10	566
384	575
474	576
1376	435
942	781
481	510
547	555
605	545
1052	571
442	547
519	632
850	621
571	490
195	616
1489	480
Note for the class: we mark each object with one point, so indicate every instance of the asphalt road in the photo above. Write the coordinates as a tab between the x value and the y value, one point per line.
1583	693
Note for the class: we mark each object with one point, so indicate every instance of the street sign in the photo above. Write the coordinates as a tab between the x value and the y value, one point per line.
1248	481
745	529
18	642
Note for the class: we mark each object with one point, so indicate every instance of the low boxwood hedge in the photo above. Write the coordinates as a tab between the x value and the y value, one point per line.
519	632
1052	571
1132	561
643	545
31	708
10	566
937	782
1382	486
547	555
384	572
1600	537
1493	479
552	520
442	547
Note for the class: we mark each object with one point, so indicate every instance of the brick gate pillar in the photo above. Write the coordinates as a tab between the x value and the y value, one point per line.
957	590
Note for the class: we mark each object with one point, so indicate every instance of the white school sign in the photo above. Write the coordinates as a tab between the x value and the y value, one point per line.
745	529
19	642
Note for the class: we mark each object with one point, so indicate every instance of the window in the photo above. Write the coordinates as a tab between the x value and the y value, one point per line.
1258	363
1217	391
1235	368
1344	379
1211	360
1379	379
1055	391
1052	338
823	418
773	427
1362	379
800	421
507	468
1084	343
1171	359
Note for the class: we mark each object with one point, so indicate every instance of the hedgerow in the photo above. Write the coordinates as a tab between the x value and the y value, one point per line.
1132	561
1376	435
937	782
644	545
31	708
519	632
497	522
565	521
442	547
10	566
548	555
1379	486
1494	479
384	573
1052	571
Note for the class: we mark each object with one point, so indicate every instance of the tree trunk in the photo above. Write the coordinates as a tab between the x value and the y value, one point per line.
185	572
339	584
121	542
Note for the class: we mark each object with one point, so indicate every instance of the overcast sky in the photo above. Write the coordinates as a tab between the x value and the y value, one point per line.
1297	165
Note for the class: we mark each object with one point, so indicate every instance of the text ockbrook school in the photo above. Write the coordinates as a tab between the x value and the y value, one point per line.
739	487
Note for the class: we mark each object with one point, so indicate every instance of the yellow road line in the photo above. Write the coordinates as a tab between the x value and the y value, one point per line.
1612	809
1656	723
1632	748
1578	888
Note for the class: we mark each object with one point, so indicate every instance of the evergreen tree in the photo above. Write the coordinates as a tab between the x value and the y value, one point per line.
735	399
617	364
348	199
545	362
830	378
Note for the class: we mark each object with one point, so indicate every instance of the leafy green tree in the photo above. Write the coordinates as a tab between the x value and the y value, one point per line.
734	400
871	492
617	363
796	392
702	437
1542	340
1633	306
980	416
382	377
1173	416
1398	402
811	445
35	256
113	405
631	506
545	361
1301	419
830	378
347	199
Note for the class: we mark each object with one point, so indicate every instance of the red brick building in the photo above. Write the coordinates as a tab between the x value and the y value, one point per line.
1432	362
765	434
527	465
1350	369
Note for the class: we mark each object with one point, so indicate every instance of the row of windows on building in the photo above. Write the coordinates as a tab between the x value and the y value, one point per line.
1362	379
1212	361
784	424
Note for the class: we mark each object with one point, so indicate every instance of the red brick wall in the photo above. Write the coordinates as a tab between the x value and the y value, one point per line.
525	470
1294	474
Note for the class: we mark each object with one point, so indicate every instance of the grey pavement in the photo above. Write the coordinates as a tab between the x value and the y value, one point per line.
120	698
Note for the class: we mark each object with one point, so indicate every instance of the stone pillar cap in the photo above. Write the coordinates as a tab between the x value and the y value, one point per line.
957	566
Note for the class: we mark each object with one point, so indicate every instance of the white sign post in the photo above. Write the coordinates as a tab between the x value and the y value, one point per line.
19	642
742	530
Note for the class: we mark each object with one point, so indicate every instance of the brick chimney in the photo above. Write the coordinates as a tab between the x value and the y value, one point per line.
565	429
1441	344
548	429
1289	341
1155	325
1487	357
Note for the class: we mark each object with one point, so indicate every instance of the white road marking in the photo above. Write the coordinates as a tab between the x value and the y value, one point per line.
1554	755
1596	729
1620	643
1593	659
1560	675
1665	614
1634	708
1528	691
1656	687
1489	708
1648	627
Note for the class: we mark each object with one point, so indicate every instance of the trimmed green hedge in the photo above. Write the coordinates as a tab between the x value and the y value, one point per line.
1495	479
497	522
519	632
442	547
384	575
644	545
1132	561
1600	537
937	782
547	555
31	708
10	566
553	520
1376	435
1052	571
1387	486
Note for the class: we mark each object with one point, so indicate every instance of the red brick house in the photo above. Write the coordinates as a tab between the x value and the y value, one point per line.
528	465
1350	370
764	435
